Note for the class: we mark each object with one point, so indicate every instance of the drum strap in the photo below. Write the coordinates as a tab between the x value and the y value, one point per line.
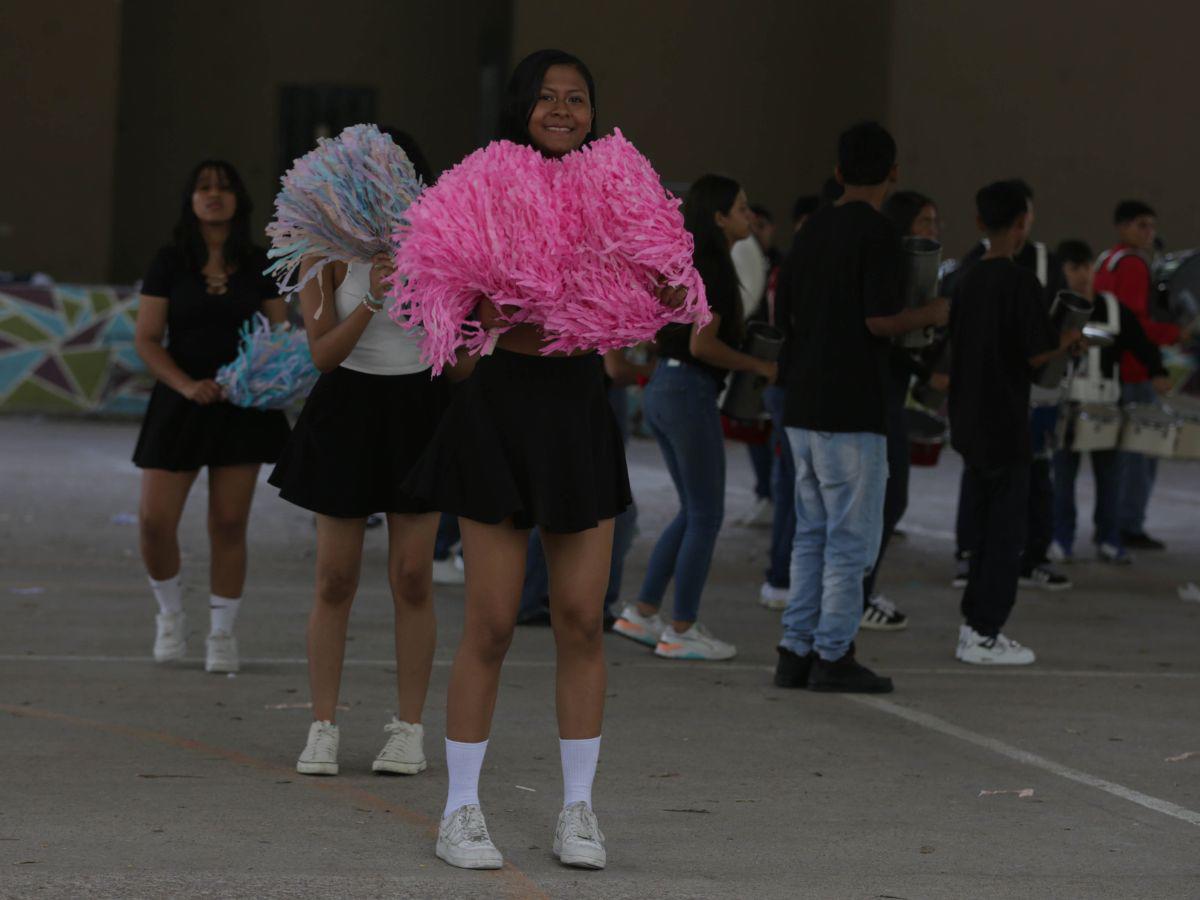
1042	262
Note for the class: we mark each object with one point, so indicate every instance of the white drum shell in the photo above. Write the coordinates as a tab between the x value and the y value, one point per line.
1094	426
1149	430
1187	442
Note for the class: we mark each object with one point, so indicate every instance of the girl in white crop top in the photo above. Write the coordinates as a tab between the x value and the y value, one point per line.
383	347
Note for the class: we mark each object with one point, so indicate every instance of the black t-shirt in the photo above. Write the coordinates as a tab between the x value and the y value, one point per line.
845	267
203	328
1026	258
998	322
721	288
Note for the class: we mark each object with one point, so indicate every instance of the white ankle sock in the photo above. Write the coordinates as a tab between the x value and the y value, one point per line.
224	613
463	762
579	760
169	594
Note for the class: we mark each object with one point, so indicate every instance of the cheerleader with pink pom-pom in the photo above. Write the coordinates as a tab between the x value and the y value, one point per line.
549	268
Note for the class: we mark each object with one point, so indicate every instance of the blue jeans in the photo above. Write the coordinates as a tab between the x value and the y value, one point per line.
1106	473
783	492
447	536
680	405
760	462
1137	471
840	483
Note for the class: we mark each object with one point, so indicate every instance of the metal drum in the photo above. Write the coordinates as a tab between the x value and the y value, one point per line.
923	258
1068	312
1092	426
1187	422
926	436
1177	286
1149	429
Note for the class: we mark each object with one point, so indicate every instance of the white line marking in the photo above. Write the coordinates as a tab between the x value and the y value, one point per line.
933	723
690	668
921	530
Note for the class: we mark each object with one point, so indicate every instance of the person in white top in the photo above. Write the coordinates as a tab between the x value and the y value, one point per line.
367	420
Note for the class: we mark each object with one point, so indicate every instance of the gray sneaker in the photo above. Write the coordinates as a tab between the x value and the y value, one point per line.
578	840
463	840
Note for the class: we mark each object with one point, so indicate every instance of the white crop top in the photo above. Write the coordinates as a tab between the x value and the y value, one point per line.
384	347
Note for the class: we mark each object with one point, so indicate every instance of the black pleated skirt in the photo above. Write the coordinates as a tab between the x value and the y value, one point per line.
528	438
356	440
182	436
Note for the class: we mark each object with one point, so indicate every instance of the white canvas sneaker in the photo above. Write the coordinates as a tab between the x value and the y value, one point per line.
221	653
463	840
643	629
695	643
578	840
998	651
404	753
320	753
170	637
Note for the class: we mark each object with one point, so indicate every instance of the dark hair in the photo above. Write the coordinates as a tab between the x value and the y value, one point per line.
709	195
412	150
1075	252
238	248
522	93
866	154
831	191
1023	186
761	211
1128	210
903	207
806	206
1000	204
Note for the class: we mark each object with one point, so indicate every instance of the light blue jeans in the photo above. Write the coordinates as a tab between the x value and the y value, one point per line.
840	483
1137	471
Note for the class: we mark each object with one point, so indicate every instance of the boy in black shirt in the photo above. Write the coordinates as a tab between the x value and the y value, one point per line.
1000	332
839	303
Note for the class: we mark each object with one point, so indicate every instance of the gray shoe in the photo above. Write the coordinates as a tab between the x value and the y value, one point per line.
578	840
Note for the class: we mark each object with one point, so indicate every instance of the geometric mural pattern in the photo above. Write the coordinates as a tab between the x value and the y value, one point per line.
69	349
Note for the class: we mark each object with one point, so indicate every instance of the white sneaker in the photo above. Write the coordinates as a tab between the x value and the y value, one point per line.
643	629
761	514
222	653
998	651
463	840
449	570
772	597
578	840
170	637
320	753
404	753
695	643
1057	553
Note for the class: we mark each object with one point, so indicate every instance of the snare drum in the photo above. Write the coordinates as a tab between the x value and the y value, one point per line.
926	436
1187	411
1149	429
1093	426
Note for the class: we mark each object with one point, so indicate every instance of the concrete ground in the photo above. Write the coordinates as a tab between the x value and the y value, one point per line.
124	779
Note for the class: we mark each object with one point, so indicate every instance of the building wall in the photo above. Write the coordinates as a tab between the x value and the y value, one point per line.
755	90
58	100
1090	103
201	80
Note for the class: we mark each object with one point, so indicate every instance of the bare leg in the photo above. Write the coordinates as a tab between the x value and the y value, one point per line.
410	573
579	565
495	558
230	492
339	559
163	496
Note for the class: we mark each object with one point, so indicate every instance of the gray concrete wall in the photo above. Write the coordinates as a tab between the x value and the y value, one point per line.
58	69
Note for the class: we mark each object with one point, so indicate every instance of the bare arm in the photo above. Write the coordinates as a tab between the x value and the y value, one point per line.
935	312
148	341
708	348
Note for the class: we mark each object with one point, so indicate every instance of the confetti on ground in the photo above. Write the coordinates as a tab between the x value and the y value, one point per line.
1022	794
298	706
123	518
1182	756
521	787
27	591
1190	592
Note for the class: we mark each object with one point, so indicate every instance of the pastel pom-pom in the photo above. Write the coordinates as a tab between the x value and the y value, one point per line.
273	368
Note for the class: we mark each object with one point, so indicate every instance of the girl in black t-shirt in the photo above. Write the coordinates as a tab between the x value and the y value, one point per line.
680	405
197	294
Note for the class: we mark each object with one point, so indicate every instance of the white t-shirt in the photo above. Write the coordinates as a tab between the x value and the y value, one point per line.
384	347
752	266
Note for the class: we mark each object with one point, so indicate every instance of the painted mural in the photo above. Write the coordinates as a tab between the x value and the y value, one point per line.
69	349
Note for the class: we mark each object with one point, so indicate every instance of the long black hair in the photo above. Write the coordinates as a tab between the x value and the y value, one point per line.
524	86
709	195
903	207
412	150
239	249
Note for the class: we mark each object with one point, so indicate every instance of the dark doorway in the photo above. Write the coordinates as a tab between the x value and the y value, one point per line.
311	111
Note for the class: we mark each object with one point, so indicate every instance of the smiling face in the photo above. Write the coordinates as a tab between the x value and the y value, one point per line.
213	199
562	115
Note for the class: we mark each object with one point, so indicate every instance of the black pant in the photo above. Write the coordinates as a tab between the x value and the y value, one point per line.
1040	528
895	498
994	509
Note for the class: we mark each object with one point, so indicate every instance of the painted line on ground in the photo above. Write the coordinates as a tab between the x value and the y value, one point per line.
517	882
660	666
933	723
922	531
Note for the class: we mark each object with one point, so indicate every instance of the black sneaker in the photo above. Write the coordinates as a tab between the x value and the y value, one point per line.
792	669
881	615
1045	578
847	676
1141	541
